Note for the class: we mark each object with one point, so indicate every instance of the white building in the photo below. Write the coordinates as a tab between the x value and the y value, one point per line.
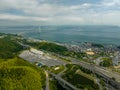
116	59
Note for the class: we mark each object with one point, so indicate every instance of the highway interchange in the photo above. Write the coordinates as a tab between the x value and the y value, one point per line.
32	56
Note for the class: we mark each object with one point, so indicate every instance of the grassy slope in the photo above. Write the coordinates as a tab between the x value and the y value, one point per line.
47	46
54	85
9	48
17	74
58	49
79	80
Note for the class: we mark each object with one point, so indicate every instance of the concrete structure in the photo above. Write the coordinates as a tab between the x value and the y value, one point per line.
38	57
57	68
116	59
36	51
64	83
105	74
90	53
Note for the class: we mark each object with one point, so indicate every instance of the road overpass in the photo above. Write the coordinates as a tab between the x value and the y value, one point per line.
64	83
104	73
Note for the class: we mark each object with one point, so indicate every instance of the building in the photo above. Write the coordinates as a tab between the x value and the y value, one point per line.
116	59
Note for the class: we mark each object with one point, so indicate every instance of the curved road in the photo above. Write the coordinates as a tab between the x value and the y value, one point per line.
47	81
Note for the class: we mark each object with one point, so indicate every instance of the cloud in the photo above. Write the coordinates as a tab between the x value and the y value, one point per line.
109	3
81	6
38	11
16	17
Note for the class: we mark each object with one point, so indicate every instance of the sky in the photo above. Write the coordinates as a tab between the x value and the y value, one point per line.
59	12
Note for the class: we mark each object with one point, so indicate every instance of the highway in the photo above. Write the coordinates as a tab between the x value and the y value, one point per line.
89	66
98	82
94	68
27	55
66	84
106	74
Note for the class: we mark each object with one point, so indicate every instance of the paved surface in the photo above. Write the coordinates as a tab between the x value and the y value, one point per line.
98	82
61	73
32	56
40	57
64	82
47	81
101	71
104	71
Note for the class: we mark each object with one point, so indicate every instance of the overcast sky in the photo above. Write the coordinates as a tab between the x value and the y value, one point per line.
59	12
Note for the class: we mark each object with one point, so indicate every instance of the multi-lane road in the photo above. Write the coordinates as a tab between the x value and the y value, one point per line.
102	70
64	83
37	57
105	73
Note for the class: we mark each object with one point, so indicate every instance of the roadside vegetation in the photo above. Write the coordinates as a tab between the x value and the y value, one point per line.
57	49
107	62
9	48
16	73
56	69
80	77
54	85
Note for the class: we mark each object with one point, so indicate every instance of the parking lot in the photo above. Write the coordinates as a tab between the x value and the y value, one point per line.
40	57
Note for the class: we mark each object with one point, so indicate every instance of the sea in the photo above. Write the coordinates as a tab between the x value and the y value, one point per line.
102	34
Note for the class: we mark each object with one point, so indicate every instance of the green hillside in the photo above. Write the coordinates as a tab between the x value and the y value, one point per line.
47	46
80	77
17	74
58	49
8	47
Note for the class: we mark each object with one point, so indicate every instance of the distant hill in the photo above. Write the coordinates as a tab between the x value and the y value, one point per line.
9	47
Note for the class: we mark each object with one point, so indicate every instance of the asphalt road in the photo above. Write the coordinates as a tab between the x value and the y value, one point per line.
32	57
101	71
104	71
47	81
43	59
64	81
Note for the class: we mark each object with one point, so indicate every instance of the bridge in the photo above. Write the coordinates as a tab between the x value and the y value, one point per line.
64	83
109	80
105	74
